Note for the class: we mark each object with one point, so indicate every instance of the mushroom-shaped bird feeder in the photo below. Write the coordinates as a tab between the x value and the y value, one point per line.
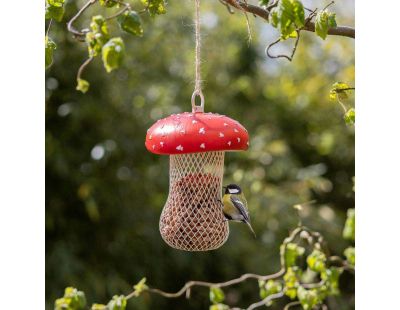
192	218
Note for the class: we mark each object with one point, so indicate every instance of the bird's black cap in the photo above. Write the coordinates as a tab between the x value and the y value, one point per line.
232	189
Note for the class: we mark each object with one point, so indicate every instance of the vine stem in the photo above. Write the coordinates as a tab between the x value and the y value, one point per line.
70	27
83	66
313	237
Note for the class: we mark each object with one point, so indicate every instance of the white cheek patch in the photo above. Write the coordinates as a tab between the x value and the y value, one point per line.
233	191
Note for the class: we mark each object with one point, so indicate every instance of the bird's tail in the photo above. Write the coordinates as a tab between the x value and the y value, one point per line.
251	228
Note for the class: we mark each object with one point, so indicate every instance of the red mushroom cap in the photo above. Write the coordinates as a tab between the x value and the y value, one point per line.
196	132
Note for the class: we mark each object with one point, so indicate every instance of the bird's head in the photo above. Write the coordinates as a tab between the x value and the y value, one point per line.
232	189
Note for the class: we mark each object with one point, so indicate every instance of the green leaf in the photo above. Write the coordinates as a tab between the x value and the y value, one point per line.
98	24
323	21
331	277
98	36
349	229
72	300
316	261
108	3
130	22
56	3
140	287
117	303
98	307
273	17
113	53
350	116
291	279
54	12
82	85
219	307
269	288
155	7
292	252
287	17
49	47
350	254
307	298
216	295
339	91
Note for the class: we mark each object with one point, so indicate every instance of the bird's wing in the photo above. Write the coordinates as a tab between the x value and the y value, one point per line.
241	207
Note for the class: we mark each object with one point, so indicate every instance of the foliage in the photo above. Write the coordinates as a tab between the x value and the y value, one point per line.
82	85
54	9
287	17
323	21
350	254
350	225
155	7
130	22
113	53
50	46
350	116
98	36
72	300
104	192
308	294
340	91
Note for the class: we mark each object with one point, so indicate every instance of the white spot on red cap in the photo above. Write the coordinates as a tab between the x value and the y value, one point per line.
221	135
248	143
162	144
235	130
238	139
229	143
182	131
225	124
202	131
194	121
153	146
150	137
203	145
179	148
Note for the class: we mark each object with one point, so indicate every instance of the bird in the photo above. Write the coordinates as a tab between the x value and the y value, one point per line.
235	205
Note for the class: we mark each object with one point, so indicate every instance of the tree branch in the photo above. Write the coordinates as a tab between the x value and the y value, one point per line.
343	31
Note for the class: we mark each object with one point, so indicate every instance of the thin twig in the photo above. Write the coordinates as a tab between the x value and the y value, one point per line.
265	301
83	66
344	89
290	58
242	278
48	27
78	34
127	7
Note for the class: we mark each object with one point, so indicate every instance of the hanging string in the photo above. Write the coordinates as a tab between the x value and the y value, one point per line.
197	88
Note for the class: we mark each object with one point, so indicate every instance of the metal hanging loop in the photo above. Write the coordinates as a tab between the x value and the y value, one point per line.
197	108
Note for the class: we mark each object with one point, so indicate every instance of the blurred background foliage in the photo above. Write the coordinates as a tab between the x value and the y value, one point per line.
105	191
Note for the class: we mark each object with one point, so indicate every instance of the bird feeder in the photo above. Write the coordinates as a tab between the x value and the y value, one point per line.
192	218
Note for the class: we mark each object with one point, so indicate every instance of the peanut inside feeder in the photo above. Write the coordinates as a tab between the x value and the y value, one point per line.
192	218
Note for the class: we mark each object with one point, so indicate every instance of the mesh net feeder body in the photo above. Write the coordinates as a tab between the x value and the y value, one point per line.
192	218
